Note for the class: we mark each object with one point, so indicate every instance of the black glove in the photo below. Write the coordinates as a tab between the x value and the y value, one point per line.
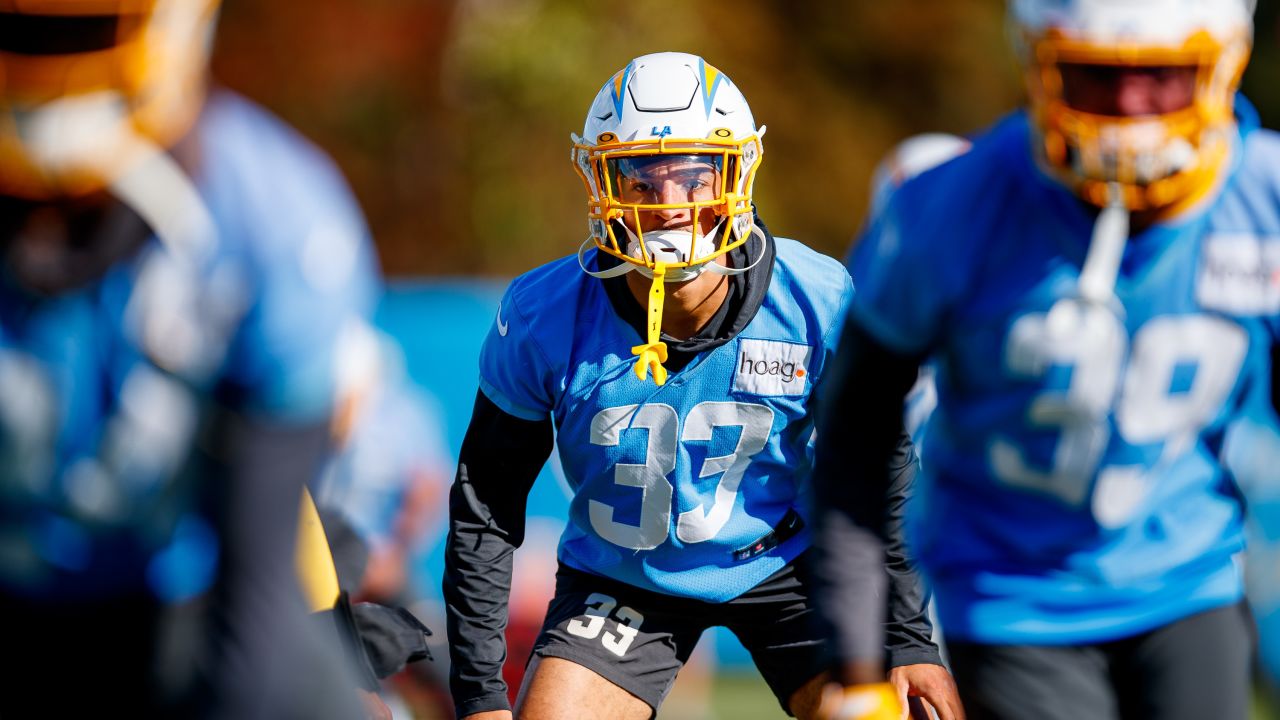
392	637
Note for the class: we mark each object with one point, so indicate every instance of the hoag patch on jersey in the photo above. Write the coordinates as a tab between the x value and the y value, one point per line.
772	367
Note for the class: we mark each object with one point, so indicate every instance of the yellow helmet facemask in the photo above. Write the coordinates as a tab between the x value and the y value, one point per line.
614	174
1162	161
84	83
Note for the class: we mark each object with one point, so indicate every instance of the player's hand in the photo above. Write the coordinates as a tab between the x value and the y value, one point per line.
878	701
490	715
933	685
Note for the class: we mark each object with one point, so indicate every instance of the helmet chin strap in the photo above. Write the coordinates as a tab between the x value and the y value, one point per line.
625	267
653	352
672	247
1097	282
1089	316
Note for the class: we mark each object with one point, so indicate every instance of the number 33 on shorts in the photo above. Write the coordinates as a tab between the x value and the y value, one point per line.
598	608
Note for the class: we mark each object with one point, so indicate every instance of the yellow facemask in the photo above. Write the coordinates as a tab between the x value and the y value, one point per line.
1164	161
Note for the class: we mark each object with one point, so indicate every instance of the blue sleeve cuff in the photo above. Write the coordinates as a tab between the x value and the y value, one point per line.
509	407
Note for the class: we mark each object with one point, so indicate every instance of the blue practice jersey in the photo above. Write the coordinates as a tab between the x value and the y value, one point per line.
1073	489
105	387
674	485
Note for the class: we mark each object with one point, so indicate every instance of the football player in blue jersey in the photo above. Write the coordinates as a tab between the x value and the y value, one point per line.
1095	280
673	358
176	270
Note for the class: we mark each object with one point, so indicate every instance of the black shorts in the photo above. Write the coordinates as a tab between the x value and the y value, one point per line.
639	639
1194	669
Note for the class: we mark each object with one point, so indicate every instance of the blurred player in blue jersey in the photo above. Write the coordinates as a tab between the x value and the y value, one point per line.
177	270
674	356
1096	282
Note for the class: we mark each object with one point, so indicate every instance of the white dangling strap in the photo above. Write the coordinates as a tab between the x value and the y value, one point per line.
718	269
1097	282
622	268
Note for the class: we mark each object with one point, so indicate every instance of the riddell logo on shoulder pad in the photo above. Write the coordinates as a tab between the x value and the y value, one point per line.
772	367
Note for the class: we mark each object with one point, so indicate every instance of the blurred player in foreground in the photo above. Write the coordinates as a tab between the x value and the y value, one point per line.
675	356
1094	280
177	271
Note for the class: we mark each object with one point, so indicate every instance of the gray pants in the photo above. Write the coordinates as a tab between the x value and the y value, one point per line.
1194	669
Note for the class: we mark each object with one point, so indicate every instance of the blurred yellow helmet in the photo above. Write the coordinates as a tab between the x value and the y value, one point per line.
82	80
1156	160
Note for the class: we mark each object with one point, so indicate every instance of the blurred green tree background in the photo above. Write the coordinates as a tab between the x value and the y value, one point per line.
451	118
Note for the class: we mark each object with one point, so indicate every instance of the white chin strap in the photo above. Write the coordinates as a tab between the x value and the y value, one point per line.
1097	282
1143	147
673	245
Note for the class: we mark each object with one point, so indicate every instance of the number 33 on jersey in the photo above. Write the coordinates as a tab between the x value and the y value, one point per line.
674	484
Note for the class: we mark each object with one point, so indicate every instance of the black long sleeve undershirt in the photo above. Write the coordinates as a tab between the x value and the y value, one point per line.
908	630
863	472
500	458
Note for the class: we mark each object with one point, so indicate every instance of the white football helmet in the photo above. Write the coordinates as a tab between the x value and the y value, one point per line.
668	104
1156	161
84	83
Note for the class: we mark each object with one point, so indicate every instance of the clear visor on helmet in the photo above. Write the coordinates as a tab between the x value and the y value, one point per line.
671	181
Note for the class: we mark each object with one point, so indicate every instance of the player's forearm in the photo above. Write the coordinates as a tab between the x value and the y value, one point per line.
849	591
859	456
477	586
501	456
908	630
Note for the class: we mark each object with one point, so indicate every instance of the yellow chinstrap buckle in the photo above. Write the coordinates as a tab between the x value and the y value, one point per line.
653	353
